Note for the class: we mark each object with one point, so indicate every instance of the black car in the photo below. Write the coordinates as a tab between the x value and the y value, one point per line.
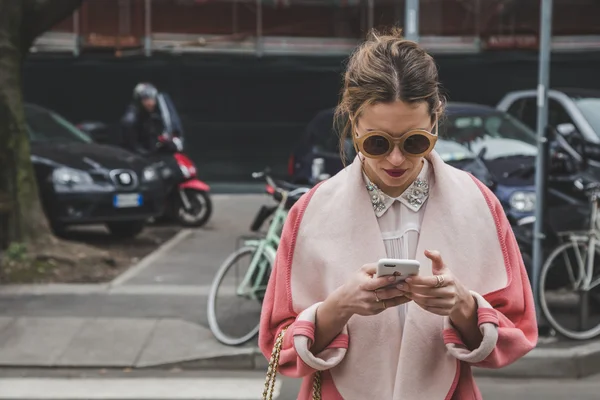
81	182
319	141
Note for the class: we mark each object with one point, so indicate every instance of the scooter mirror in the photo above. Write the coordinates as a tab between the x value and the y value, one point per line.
566	129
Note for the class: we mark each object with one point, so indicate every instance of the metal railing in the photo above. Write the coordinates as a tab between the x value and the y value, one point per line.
263	39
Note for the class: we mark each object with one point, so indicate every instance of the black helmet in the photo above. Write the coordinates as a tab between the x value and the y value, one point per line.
144	91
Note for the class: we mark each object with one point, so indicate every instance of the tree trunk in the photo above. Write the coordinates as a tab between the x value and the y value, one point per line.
17	182
20	22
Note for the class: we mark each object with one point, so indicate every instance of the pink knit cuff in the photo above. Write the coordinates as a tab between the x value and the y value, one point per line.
303	332
487	320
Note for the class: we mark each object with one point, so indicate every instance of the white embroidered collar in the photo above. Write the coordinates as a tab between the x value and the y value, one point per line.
413	197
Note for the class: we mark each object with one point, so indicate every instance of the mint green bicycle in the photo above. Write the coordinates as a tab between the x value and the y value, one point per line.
236	295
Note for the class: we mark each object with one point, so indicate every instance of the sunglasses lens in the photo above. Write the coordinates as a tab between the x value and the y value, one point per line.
376	145
417	144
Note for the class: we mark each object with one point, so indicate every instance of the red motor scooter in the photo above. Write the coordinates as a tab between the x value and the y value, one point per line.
188	199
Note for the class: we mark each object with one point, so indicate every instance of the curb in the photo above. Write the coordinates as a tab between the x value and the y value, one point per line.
574	362
252	360
550	363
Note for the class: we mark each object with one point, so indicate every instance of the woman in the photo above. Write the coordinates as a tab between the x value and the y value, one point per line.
470	305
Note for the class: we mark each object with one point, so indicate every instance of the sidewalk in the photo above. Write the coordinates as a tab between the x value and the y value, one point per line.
116	343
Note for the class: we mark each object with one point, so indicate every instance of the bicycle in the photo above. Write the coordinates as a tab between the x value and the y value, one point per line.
582	276
262	252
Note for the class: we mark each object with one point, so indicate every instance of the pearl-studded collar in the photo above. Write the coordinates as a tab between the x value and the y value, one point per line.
413	197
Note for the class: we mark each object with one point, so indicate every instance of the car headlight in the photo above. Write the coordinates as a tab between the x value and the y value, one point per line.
71	177
150	174
522	201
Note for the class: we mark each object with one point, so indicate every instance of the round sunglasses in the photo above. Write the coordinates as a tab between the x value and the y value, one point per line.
378	144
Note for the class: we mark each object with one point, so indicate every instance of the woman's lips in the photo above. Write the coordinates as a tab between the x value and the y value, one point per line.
395	173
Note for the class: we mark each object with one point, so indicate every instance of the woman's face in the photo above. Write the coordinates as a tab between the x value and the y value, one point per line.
395	172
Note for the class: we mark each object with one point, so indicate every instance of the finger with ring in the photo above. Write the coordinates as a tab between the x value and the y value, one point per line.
440	281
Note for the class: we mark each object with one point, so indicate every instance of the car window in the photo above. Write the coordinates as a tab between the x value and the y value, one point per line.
453	151
529	112
590	108
501	134
46	126
516	108
557	114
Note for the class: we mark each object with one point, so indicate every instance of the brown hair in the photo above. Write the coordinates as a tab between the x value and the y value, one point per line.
384	69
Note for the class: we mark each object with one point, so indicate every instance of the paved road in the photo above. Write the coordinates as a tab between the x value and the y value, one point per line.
224	385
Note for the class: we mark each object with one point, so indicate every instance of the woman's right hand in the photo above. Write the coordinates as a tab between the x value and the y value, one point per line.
359	295
363	294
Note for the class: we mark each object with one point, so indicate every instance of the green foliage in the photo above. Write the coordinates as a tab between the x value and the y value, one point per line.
16	252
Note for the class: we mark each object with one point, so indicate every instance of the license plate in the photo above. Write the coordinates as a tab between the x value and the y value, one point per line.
127	200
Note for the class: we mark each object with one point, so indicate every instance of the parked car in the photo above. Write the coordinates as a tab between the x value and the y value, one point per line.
81	182
320	140
503	144
574	113
578	107
478	139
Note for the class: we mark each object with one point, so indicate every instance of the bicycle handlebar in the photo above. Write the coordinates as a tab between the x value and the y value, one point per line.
266	174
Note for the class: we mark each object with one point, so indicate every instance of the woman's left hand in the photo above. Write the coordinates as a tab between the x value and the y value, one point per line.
442	293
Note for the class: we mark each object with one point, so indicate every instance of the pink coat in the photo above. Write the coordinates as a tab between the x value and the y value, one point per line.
332	231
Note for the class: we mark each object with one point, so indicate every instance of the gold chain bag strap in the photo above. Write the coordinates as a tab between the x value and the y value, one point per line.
272	371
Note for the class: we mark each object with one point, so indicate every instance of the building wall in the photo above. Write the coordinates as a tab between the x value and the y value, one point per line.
437	17
243	113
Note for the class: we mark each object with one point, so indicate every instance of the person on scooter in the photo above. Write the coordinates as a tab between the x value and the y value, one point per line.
143	123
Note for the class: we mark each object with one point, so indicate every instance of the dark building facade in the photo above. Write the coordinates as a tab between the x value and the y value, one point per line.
246	86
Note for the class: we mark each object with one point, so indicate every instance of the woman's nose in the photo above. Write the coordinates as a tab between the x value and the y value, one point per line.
396	157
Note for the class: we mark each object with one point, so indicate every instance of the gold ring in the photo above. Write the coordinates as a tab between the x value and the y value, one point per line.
376	297
440	281
384	306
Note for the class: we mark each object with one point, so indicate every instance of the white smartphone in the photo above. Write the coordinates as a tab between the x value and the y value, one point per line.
401	267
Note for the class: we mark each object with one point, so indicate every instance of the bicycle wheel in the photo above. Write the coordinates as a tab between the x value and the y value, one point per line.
230	324
569	309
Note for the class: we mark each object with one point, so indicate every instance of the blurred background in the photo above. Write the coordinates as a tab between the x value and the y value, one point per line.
253	73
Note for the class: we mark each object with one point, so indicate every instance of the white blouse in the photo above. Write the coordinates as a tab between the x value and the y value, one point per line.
400	218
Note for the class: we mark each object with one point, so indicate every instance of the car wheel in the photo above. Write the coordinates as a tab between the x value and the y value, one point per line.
126	229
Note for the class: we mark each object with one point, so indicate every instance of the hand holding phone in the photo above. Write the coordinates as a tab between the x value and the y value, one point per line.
402	268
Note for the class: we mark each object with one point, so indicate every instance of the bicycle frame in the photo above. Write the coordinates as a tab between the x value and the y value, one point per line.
266	246
594	232
586	269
